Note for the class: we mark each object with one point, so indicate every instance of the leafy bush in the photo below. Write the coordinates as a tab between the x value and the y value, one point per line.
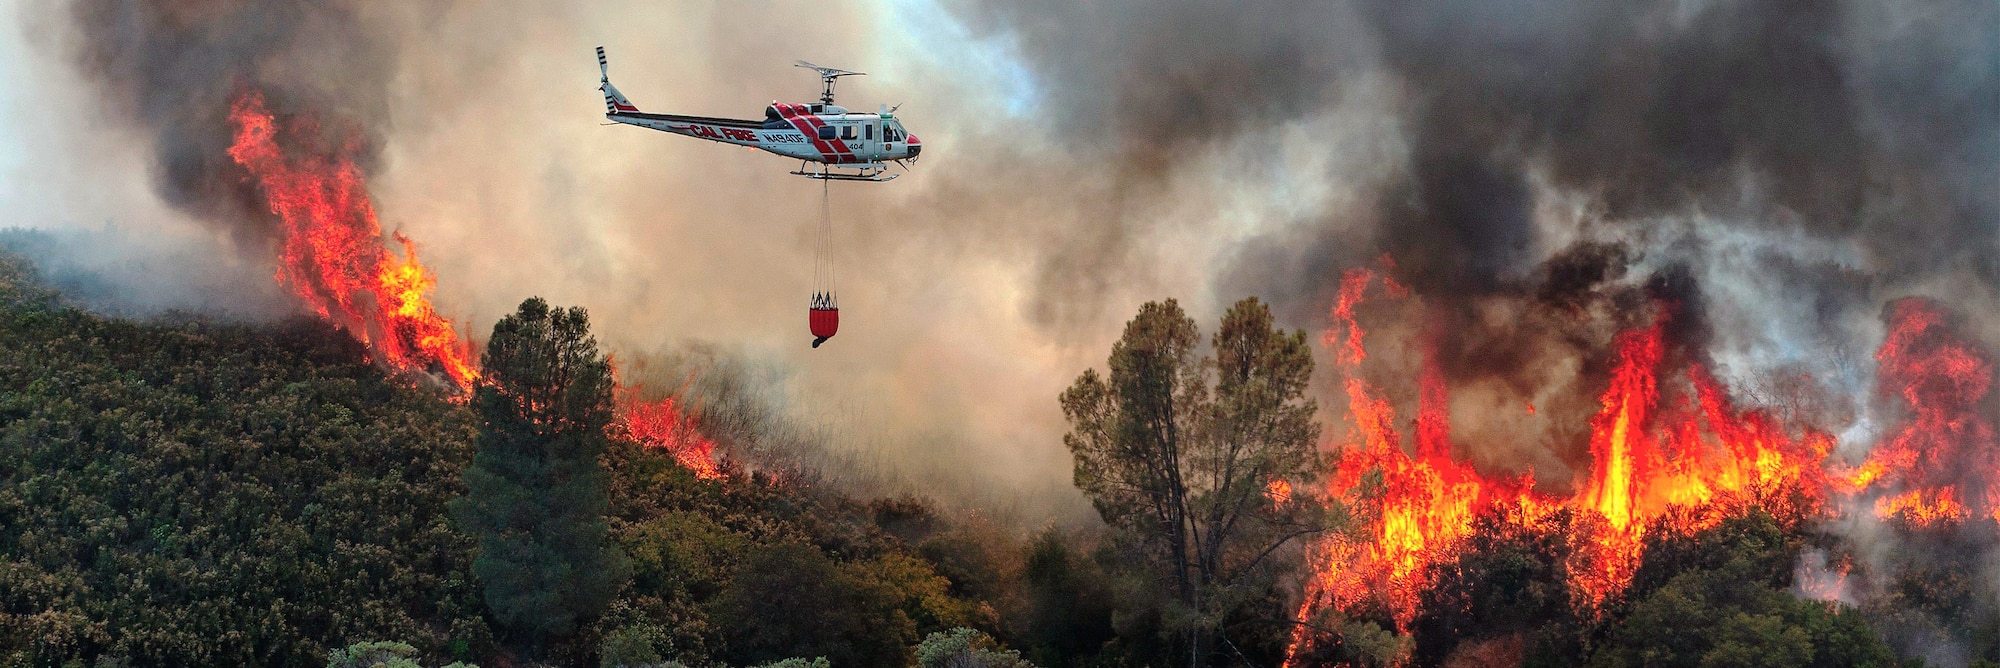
965	648
379	654
631	647
190	492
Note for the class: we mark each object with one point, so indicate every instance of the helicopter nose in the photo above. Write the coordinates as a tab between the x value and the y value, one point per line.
915	149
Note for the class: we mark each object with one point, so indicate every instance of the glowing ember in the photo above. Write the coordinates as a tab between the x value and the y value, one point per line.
1820	581
333	255
1279	492
662	424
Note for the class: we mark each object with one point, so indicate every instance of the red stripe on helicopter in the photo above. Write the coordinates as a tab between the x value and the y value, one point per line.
791	116
829	150
832	151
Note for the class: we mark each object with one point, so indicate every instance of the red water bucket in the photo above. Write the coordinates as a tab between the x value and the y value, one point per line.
824	322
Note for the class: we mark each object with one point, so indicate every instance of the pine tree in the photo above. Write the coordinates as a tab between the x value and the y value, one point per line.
1180	452
535	494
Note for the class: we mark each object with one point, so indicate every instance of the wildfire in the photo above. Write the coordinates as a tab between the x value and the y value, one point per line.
662	424
1669	452
1701	457
1279	492
1819	580
1929	471
333	256
1424	504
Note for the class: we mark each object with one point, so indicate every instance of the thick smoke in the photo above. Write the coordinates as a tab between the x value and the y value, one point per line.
1769	174
171	68
1814	158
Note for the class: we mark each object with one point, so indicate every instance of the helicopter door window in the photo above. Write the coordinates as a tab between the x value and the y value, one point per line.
826	132
847	132
868	132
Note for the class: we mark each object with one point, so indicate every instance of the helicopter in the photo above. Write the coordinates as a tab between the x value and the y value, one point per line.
847	146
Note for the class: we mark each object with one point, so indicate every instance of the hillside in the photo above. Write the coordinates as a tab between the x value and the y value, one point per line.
199	493
188	492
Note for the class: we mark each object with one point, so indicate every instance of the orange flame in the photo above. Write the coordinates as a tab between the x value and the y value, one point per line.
1679	463
1425	504
1820	581
662	424
1929	470
1279	492
333	255
1686	464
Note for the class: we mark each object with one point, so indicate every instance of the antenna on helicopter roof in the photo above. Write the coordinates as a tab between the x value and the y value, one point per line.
827	75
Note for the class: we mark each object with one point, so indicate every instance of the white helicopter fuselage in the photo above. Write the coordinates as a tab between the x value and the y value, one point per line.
812	132
861	145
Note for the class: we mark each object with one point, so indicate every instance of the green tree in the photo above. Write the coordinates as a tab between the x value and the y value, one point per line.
1723	618
630	647
966	648
791	600
385	654
1717	597
535	493
1069	602
1179	451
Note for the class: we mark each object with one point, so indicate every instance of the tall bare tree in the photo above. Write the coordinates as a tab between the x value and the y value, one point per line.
1194	457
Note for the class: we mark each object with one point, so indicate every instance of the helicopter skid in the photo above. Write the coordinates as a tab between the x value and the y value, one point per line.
876	173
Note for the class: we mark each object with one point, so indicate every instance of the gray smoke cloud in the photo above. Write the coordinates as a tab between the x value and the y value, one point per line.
1799	161
172	67
1772	172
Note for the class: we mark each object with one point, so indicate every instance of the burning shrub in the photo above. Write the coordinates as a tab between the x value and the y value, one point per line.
1510	581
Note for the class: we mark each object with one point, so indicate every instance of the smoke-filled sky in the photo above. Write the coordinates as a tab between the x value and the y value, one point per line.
1532	168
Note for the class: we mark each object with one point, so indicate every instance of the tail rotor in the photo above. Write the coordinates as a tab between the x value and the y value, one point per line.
614	101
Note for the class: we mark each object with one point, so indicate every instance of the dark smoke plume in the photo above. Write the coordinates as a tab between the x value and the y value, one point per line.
171	67
1554	148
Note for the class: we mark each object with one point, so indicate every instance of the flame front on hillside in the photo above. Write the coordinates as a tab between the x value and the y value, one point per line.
333	256
663	424
1670	452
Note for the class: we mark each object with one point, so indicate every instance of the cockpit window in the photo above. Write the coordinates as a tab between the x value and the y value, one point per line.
774	121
